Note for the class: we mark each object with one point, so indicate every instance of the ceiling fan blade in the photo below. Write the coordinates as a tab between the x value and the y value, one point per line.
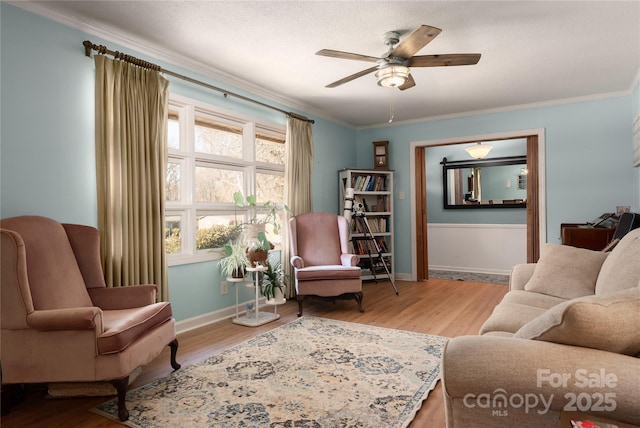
415	41
352	77
346	55
410	83
443	60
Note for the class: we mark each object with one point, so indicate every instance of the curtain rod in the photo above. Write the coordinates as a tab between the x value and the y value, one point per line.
88	46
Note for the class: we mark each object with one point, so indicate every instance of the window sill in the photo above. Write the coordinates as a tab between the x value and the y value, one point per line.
202	256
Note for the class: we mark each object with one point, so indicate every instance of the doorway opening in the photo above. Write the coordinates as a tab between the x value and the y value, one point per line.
536	220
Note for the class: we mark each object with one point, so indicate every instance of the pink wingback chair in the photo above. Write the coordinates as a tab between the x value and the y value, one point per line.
60	323
320	257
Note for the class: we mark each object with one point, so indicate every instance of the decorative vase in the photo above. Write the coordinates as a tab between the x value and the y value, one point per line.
257	256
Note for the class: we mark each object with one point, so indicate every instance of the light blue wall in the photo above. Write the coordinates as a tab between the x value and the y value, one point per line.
48	159
435	210
47	164
588	159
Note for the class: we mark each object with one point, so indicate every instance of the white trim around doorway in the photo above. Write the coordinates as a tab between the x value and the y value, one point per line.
469	139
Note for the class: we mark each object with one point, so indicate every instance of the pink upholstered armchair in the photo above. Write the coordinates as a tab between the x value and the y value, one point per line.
60	323
320	257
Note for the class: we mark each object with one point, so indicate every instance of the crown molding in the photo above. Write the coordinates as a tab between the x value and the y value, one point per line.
157	53
470	113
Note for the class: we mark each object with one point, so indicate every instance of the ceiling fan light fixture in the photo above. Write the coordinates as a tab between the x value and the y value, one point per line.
393	75
479	151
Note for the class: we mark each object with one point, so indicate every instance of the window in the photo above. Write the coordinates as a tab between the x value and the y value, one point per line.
212	154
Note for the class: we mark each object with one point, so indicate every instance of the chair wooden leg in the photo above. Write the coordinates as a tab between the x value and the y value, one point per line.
121	386
358	297
11	394
174	351
300	299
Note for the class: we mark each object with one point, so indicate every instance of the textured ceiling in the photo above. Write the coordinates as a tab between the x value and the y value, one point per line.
532	52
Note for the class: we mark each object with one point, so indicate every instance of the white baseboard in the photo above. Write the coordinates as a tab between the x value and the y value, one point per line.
212	317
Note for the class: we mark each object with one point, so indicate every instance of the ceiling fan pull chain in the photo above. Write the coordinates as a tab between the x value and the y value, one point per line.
392	106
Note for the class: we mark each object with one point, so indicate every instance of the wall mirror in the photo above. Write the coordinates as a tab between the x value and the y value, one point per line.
485	183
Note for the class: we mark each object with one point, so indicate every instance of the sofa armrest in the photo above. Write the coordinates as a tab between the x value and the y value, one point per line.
297	262
520	275
349	259
550	375
112	298
84	318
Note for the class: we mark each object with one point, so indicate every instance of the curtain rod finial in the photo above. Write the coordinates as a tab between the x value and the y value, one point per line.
87	48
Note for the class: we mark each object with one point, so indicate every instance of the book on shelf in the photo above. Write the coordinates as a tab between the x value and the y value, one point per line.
375	266
376	224
364	245
382	204
369	183
365	183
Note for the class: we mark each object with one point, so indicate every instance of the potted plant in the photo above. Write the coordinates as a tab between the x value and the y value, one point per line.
273	284
269	209
235	261
258	245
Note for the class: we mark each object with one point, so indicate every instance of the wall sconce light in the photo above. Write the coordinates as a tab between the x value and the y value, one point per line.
479	151
392	75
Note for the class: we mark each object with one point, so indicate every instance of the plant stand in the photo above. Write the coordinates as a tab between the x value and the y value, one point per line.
236	282
255	318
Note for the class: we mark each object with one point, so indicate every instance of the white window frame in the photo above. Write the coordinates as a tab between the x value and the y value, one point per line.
187	208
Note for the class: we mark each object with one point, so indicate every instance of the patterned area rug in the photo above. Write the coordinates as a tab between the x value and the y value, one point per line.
312	372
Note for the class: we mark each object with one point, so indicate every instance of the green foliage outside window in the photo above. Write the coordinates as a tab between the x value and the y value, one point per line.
216	236
172	240
212	237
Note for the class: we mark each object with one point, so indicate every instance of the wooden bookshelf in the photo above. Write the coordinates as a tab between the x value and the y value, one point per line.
373	191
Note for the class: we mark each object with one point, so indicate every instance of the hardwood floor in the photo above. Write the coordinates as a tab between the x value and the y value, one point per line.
437	306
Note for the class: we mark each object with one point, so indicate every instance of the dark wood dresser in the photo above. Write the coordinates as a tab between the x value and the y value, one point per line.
582	235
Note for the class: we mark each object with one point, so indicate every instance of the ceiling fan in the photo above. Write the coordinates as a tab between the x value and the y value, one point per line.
393	67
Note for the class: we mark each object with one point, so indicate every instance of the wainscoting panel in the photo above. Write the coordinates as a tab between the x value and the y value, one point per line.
484	248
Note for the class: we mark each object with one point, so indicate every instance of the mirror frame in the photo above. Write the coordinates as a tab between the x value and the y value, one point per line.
448	165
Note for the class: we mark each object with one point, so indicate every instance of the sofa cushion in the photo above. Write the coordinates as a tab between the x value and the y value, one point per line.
621	270
566	272
537	300
608	322
122	327
315	273
509	317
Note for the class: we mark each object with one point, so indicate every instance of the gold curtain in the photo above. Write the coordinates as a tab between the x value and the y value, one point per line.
298	167
131	159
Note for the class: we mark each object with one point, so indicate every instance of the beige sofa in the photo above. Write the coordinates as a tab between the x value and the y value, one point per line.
565	337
